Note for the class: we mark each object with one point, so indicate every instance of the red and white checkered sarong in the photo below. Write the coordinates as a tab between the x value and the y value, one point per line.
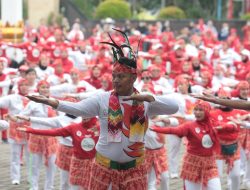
199	169
80	171
63	157
156	158
131	179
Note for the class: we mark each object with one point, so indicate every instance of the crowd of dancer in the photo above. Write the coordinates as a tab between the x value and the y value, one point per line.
112	97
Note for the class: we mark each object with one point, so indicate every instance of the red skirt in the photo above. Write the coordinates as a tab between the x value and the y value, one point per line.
80	171
199	169
18	136
63	157
157	158
42	145
131	179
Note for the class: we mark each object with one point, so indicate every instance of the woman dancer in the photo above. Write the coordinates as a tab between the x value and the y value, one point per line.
199	166
18	140
85	135
65	148
41	146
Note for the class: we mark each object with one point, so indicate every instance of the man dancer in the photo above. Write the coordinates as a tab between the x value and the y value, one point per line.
123	115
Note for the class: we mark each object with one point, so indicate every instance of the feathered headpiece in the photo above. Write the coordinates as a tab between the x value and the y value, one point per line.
118	54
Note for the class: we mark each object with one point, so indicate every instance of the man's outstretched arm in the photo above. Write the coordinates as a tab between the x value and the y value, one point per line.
236	104
87	108
44	100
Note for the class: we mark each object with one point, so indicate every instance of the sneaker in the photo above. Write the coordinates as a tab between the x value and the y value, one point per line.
15	182
174	175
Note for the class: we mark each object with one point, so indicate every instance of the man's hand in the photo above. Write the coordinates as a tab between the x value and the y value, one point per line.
38	98
205	97
44	100
208	92
140	98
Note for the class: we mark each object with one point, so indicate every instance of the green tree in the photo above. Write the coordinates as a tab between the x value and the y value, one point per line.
87	7
117	9
206	9
193	8
171	12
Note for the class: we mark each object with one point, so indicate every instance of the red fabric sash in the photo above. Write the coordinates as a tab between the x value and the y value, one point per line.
115	119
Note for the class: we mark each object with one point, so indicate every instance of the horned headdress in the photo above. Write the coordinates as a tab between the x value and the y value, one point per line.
118	53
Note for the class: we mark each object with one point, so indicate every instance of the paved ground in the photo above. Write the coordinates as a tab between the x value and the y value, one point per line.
5	183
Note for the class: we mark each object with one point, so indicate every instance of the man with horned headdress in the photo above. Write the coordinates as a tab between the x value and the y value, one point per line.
123	115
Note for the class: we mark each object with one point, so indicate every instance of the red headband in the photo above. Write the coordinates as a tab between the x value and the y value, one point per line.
204	105
119	68
42	82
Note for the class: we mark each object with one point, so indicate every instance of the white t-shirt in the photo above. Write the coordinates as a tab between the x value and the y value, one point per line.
98	105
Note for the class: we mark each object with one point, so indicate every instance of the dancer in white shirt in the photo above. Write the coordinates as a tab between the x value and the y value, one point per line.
123	120
41	146
15	103
64	151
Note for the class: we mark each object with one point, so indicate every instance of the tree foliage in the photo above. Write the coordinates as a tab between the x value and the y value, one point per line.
246	16
117	9
145	15
86	7
171	12
206	9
